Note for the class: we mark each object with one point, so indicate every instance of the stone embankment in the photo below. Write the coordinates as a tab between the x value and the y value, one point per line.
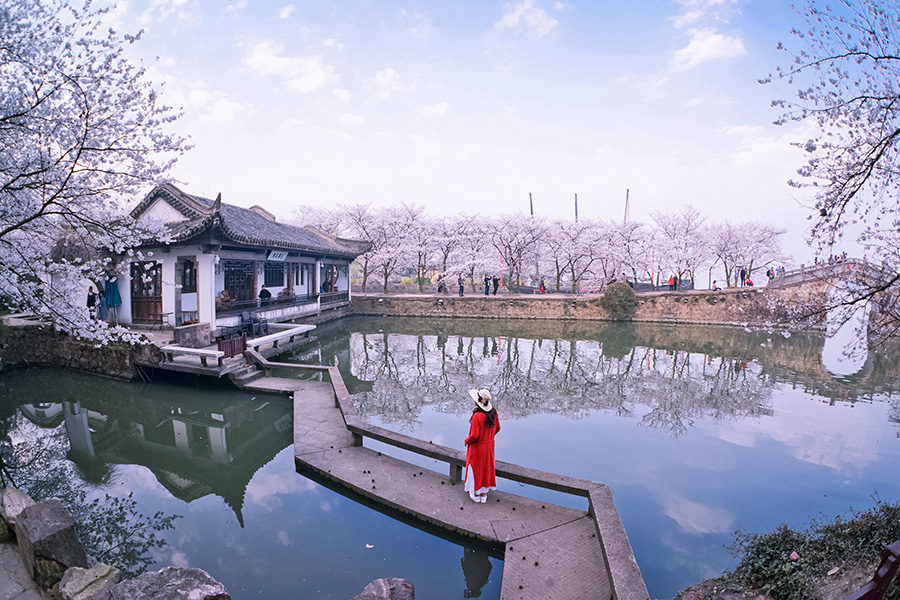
51	562
756	307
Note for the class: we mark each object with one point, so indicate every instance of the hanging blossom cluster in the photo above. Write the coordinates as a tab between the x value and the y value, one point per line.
82	133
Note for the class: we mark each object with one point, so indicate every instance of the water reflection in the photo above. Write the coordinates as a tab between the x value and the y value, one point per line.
476	566
670	376
194	444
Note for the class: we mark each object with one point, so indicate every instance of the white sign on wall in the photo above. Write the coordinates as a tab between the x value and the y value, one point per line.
278	255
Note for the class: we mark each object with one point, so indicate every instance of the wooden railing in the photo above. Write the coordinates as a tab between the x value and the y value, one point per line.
625	576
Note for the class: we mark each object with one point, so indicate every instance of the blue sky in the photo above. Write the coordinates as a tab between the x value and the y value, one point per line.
469	106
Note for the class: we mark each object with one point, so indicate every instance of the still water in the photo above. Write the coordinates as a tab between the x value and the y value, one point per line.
698	431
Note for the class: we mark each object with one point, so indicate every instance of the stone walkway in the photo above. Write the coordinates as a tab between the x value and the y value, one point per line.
550	552
15	583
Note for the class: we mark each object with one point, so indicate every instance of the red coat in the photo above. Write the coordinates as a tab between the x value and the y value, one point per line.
480	451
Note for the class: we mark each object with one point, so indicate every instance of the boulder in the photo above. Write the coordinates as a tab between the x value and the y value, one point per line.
12	501
48	541
170	583
388	589
89	584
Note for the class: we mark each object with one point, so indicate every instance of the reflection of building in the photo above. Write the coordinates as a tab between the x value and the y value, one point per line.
216	247
191	451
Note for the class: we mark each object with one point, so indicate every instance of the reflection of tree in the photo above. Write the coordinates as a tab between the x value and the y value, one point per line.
112	529
563	376
669	375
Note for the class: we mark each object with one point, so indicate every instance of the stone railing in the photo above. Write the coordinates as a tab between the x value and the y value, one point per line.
51	551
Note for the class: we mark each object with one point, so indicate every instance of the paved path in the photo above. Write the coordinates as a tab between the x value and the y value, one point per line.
550	552
15	582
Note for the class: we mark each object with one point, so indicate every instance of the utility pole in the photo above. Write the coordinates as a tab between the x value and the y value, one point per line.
576	207
626	205
537	270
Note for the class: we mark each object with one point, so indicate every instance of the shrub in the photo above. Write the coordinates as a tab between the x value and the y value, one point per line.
619	300
854	542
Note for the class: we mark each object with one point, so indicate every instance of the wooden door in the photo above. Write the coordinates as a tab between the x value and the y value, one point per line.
146	292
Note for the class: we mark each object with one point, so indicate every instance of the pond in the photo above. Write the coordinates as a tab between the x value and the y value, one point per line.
699	431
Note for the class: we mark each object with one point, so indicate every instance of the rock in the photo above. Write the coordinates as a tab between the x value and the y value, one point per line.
170	583
12	501
388	589
89	584
48	541
833	571
794	556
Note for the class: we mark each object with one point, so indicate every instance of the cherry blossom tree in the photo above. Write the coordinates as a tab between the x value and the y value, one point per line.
82	131
684	240
845	66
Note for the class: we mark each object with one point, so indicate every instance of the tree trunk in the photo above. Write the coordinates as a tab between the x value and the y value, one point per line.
385	271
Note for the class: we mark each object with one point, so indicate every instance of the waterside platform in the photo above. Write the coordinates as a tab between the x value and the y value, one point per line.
550	552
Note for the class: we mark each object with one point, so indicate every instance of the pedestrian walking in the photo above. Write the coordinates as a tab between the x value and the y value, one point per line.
671	283
480	475
459	282
496	282
543	287
487	285
92	302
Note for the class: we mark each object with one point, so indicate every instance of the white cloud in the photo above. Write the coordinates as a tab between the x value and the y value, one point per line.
741	130
180	559
283	538
302	74
341	94
388	81
527	17
706	45
351	119
694	517
687	18
222	110
433	110
238	5
285	11
417	24
332	43
558	6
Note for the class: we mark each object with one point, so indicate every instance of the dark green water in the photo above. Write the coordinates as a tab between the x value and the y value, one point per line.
699	431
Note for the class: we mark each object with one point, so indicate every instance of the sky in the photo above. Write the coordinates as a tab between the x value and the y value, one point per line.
467	107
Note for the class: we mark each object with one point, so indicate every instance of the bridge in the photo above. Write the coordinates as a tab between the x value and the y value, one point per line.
549	551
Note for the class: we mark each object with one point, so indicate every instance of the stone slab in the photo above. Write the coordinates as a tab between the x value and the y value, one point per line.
89	584
12	501
565	563
432	498
170	583
48	541
15	581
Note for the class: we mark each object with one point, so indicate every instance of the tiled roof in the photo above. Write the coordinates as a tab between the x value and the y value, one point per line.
245	226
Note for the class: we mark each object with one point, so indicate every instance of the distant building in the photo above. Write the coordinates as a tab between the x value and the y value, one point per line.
218	258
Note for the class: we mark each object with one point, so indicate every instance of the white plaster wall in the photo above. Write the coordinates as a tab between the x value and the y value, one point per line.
206	287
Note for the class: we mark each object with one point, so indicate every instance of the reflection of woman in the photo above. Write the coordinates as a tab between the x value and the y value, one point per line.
476	566
484	425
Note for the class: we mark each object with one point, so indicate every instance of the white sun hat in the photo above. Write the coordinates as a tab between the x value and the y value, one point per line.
482	398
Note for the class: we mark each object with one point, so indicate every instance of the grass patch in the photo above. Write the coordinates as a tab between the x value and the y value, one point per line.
849	542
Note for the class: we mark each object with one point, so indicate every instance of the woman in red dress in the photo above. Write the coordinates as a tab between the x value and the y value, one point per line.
484	426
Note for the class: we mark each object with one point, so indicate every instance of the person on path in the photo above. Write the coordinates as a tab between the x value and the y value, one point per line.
459	282
743	277
480	475
543	287
487	285
496	281
265	296
671	283
92	302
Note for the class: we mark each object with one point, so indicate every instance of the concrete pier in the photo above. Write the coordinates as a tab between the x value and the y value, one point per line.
550	551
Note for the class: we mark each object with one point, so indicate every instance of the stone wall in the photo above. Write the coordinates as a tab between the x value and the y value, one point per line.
746	306
34	345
